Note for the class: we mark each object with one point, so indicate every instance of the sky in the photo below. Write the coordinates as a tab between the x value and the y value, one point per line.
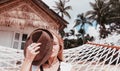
78	7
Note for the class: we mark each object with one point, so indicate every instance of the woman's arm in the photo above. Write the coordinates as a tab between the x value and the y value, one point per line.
30	55
26	65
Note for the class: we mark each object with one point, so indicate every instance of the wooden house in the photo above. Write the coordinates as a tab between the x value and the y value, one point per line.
18	18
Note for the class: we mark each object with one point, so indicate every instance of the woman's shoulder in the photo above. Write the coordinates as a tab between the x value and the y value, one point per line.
65	66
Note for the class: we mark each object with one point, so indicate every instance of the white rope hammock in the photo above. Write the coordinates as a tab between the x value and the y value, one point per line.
84	58
94	58
10	59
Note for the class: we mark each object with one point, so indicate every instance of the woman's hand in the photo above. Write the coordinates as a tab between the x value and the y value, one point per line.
31	51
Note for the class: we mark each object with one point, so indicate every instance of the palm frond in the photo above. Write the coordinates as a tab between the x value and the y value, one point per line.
57	3
88	22
92	4
77	22
68	8
91	12
91	17
67	14
62	3
56	8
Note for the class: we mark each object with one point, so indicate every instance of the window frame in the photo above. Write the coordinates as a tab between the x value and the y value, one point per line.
20	41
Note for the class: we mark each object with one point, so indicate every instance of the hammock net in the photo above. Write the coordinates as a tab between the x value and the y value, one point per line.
87	57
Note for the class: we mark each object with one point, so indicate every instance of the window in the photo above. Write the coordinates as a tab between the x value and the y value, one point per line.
24	37
22	45
15	45
16	40
19	40
17	36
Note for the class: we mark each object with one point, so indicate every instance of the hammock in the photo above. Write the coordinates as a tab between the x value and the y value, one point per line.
94	57
10	59
88	57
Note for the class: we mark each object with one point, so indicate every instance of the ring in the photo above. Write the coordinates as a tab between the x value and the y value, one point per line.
30	46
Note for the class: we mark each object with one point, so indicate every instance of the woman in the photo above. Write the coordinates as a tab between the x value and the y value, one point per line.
55	61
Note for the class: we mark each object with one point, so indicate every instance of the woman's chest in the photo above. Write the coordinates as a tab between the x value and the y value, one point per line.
51	69
55	67
60	67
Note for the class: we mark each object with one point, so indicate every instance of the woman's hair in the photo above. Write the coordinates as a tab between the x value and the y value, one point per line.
61	44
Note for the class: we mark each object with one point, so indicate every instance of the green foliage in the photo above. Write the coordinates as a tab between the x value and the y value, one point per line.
71	43
62	33
104	13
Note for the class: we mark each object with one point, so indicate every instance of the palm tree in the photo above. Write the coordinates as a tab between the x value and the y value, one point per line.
62	9
114	11
114	17
105	12
99	13
82	20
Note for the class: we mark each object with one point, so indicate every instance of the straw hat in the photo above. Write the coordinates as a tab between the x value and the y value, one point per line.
40	36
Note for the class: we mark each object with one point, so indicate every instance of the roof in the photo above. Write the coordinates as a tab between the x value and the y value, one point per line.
38	3
50	12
